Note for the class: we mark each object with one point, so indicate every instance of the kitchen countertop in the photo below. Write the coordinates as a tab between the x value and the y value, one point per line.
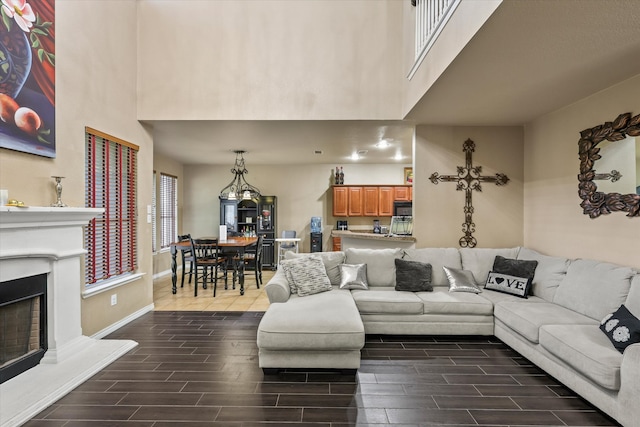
371	236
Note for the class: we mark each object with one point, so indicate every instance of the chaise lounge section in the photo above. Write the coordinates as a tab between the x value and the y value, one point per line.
559	326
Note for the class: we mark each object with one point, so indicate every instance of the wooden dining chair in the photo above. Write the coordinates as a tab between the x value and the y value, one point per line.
209	264
187	257
253	259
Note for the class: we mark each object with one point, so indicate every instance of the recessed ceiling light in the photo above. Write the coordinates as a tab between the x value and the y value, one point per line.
355	156
398	156
383	144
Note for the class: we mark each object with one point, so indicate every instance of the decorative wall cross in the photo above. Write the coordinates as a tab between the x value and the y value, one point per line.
469	179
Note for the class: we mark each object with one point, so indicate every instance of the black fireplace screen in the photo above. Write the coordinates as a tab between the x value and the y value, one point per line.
23	338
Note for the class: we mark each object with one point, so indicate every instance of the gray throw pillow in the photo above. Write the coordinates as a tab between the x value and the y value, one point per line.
354	276
461	280
413	276
505	283
331	261
515	267
306	275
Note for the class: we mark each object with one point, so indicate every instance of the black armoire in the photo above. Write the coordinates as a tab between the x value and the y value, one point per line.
254	216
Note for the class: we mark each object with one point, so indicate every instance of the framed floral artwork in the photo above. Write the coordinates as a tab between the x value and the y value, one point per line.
408	175
27	76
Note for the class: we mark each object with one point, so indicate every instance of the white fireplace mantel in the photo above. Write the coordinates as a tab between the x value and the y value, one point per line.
47	240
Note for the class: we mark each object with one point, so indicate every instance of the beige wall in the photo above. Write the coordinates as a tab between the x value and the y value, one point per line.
96	87
303	191
554	222
162	164
468	18
438	208
280	59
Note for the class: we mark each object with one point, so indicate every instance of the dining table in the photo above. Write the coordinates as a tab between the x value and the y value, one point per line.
230	244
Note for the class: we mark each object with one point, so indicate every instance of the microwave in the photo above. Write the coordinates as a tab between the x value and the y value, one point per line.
402	208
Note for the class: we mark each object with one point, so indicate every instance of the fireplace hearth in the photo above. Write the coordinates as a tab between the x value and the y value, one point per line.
43	352
23	324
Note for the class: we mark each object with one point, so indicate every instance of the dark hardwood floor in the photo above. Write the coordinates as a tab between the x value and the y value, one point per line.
201	369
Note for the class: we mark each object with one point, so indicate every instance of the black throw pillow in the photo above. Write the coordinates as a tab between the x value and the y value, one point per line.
413	276
622	328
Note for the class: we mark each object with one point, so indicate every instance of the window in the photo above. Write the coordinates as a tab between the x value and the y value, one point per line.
168	209
111	177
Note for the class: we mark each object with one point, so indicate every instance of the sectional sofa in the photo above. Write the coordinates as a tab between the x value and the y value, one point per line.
560	326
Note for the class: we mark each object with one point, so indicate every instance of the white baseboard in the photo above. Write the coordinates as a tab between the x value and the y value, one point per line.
114	327
165	273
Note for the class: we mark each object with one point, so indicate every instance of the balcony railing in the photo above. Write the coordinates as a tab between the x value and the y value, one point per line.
431	17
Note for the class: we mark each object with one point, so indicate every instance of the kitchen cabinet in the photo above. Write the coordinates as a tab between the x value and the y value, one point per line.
368	200
403	193
386	197
371	201
356	201
340	201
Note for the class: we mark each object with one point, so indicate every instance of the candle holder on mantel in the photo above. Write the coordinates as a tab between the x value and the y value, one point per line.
58	203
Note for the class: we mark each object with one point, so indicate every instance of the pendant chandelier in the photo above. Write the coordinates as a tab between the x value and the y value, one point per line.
239	188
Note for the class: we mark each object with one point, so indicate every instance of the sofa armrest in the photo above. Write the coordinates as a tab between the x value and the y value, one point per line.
277	288
628	408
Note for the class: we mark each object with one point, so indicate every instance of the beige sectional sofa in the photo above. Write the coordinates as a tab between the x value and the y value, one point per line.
557	327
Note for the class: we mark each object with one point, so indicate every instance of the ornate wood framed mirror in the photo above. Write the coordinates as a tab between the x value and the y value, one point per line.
590	150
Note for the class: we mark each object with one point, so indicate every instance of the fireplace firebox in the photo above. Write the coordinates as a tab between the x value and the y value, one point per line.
23	328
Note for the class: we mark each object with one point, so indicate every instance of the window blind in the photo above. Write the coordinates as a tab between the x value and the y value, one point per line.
111	181
168	209
154	207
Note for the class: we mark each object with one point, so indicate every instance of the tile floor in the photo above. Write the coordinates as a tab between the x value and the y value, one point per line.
200	368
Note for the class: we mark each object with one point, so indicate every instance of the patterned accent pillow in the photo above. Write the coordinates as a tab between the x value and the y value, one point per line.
512	285
413	276
307	274
354	276
622	328
461	280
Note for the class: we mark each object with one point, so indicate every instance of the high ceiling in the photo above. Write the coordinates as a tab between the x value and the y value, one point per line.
532	57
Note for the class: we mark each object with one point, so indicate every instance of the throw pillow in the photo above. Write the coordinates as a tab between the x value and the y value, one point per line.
413	276
306	276
622	328
354	276
331	261
515	267
461	280
505	283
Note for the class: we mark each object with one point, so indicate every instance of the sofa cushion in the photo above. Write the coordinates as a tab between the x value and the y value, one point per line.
526	318
413	276
585	349
633	299
381	267
550	271
512	285
461	280
480	260
438	258
622	328
594	288
326	321
331	261
443	302
387	300
353	276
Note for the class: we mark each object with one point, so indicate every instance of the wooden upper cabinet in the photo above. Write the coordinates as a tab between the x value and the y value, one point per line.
371	201
356	201
385	201
403	193
340	201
